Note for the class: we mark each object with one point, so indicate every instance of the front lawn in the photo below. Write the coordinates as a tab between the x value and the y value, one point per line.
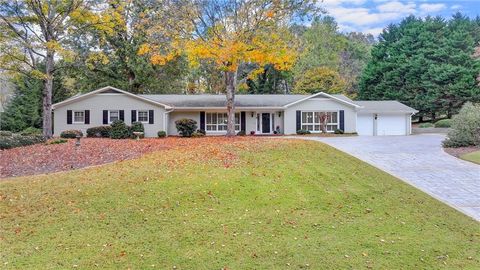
472	157
249	204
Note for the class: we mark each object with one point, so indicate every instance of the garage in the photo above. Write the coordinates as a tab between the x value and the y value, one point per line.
384	118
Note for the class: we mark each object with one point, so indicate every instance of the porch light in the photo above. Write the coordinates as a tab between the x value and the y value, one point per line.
252	114
279	114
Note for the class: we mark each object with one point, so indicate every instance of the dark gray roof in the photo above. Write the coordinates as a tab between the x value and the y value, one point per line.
384	106
185	101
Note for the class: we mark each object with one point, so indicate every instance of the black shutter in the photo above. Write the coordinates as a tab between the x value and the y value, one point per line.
87	117
243	121
299	120
105	117
202	120
150	116
122	115
134	116
69	117
342	120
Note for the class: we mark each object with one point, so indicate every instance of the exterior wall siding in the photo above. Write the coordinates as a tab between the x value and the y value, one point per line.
320	105
99	102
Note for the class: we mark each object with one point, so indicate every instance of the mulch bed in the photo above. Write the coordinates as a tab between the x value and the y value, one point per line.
457	152
43	158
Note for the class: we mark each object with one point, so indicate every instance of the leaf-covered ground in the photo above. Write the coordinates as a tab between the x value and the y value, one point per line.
248	204
43	158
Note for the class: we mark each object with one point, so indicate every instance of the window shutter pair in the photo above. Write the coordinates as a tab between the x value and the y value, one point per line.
105	116
151	116
70	117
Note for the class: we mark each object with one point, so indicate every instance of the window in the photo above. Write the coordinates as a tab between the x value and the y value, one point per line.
311	121
142	116
218	121
113	116
79	117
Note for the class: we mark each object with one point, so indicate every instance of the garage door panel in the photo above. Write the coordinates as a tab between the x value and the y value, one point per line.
365	124
391	124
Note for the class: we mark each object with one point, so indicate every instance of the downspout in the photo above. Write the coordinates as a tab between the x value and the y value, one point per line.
165	120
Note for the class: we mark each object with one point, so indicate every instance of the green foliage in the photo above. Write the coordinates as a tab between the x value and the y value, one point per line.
426	125
186	127
465	127
99	132
303	132
119	130
444	123
320	79
57	141
161	134
31	131
197	134
241	133
425	63
71	134
11	140
137	127
338	131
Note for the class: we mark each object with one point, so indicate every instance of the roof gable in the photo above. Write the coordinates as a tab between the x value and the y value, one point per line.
107	90
343	100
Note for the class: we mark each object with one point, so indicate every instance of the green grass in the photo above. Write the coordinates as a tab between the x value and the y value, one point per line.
472	157
266	204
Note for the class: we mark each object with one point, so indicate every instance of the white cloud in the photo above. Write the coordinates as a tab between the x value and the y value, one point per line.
374	31
428	8
340	2
456	7
361	16
399	7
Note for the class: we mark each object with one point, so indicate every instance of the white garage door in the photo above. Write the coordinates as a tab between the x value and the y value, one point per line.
391	124
365	124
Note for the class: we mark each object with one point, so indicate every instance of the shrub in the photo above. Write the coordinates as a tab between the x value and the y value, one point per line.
57	141
119	130
31	131
162	134
137	127
252	132
425	125
186	127
71	134
5	133
241	133
197	134
303	132
99	132
338	131
465	127
17	140
202	131
444	123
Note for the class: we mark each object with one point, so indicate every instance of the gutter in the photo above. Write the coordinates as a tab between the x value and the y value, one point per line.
165	119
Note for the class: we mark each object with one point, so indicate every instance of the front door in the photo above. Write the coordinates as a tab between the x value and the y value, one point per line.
265	122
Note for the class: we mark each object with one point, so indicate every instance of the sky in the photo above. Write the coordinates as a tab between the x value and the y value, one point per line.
371	16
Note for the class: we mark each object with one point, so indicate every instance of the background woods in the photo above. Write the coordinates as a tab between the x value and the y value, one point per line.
51	50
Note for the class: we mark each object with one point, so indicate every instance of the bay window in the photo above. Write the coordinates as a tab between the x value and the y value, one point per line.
218	121
311	121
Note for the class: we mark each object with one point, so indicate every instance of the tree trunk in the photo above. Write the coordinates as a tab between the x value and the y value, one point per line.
47	95
230	82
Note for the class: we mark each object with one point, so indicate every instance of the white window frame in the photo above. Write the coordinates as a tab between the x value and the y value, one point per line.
73	117
109	116
215	127
148	116
315	125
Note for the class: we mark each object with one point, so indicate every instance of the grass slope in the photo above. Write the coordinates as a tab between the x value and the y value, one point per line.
472	157
265	204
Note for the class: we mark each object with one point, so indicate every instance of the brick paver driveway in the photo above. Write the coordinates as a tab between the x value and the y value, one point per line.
420	161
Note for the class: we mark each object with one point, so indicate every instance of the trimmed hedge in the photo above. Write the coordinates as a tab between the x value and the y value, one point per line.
11	140
99	132
338	131
120	130
31	131
425	125
303	132
162	134
186	127
465	127
444	123
71	134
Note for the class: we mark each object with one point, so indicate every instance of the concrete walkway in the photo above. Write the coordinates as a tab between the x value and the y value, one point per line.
420	161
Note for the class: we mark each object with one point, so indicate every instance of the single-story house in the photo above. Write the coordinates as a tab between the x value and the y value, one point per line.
263	114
